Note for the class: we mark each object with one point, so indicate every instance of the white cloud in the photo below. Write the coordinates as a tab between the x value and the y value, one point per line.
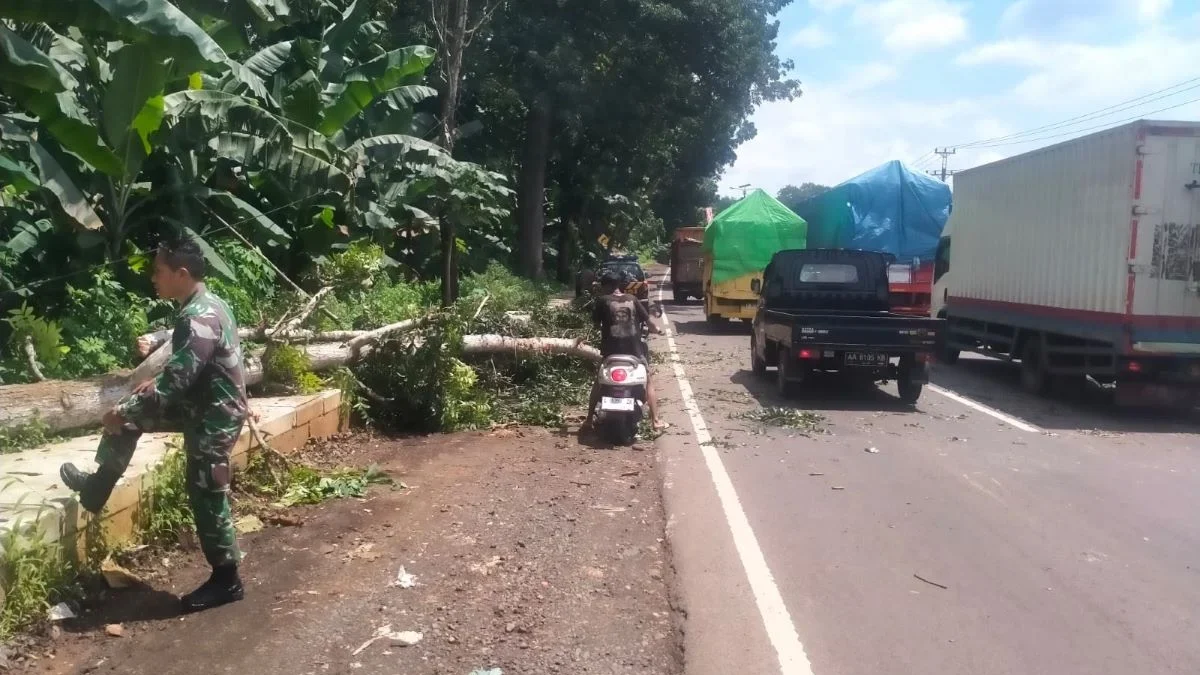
829	5
812	37
1151	11
1074	74
868	76
845	123
1077	18
833	133
914	25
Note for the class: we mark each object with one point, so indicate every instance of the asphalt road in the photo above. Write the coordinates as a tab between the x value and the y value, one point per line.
1072	548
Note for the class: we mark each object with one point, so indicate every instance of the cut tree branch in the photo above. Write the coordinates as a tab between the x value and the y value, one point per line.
373	336
31	355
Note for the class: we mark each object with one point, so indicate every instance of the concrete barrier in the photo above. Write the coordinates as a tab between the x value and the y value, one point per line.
33	498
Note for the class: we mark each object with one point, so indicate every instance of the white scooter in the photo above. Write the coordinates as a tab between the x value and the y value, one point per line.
622	382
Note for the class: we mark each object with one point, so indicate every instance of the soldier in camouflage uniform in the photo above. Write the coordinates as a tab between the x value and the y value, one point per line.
201	392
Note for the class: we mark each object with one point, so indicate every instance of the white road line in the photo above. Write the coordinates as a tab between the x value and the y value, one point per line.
1007	419
780	630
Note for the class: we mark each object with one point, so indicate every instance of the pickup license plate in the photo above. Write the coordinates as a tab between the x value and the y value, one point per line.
617	404
866	359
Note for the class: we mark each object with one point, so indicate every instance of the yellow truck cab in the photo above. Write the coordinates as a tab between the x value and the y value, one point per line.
738	245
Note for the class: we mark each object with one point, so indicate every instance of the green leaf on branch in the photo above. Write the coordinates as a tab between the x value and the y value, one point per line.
22	63
55	179
249	214
155	22
266	62
133	103
17	176
369	81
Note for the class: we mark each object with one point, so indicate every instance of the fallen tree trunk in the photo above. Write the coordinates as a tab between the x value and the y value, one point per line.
70	404
495	344
62	405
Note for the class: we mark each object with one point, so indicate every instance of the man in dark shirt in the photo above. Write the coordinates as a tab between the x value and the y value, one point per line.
619	317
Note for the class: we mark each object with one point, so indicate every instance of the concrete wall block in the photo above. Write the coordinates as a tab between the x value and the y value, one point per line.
325	426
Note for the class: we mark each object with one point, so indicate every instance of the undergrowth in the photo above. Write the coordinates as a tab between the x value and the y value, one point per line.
36	573
33	434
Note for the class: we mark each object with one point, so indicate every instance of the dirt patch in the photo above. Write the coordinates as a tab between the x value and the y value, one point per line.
530	553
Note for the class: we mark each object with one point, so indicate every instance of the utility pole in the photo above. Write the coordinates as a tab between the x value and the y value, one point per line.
743	188
945	153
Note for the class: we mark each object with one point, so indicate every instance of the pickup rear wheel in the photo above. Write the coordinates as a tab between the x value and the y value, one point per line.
758	365
949	355
783	380
910	390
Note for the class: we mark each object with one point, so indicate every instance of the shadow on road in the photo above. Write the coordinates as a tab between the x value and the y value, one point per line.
823	392
139	604
702	327
997	384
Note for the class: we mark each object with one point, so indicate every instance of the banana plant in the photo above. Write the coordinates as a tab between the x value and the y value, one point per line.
91	108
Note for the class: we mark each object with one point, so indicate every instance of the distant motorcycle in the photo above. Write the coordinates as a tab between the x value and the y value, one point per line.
622	381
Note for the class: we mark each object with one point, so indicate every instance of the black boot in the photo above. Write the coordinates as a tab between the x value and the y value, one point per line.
223	587
94	488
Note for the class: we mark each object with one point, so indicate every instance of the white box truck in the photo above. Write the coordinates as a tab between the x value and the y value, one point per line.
1082	259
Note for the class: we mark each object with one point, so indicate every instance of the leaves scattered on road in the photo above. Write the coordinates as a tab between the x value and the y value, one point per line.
805	421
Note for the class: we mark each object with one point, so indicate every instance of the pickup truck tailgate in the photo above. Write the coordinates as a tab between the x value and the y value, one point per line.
888	332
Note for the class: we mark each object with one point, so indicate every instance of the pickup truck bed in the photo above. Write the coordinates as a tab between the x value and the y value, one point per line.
839	323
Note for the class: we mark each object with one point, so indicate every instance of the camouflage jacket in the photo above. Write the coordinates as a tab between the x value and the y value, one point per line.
203	378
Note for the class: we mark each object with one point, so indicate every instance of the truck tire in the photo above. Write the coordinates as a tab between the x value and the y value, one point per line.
759	366
910	390
1034	377
679	297
949	355
716	320
783	383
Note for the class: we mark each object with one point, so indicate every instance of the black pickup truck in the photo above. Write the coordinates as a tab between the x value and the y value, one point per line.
827	310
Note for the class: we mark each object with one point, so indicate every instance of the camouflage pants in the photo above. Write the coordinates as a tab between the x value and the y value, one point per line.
207	447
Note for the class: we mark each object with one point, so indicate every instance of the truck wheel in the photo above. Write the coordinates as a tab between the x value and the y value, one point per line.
678	297
759	366
783	383
715	320
910	390
949	356
1034	378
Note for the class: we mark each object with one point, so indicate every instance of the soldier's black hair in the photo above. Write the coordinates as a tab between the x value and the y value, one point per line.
183	251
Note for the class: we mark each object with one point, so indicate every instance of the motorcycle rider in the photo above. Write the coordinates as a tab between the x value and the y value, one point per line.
620	317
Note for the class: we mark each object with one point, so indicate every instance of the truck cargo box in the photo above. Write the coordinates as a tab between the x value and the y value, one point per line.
1094	240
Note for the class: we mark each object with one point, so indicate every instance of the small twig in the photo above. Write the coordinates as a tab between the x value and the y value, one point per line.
31	355
931	583
269	451
315	300
479	309
272	265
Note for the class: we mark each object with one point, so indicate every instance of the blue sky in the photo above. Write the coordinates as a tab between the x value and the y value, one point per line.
892	79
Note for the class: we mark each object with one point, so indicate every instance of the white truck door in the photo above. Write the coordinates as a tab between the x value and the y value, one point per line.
1165	267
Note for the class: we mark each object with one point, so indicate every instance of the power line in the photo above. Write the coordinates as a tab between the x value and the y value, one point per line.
1106	125
1102	112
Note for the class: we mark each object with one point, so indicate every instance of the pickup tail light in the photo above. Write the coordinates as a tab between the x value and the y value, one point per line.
900	274
806	354
1134	366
